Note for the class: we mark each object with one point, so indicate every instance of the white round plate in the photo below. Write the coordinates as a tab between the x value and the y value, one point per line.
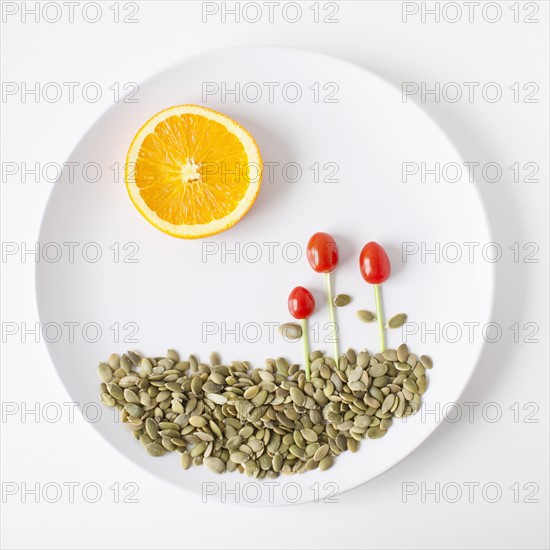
334	138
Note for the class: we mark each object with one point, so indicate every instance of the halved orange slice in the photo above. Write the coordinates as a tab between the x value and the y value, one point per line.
193	172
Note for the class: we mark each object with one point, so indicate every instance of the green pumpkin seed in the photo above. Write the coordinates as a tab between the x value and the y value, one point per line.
105	372
326	463
215	465
375	433
115	390
198	421
169	433
277	462
297	451
402	353
400	409
297	396
385	423
162	396
389	355
380	369
181	420
407	394
381	381
173	387
397	320
145	440
255	445
215	359
363	421
291	331
388	402
216	398
352	356
151	428
114	360
377	394
131	396
168	426
341	300
321	452
126	364
133	410
366	316
218	378
134	357
311	464
167	444
265	462
146	367
422	384
211	387
282	366
239	457
309	435
251	392
410	385
363	359
173	355
260	398
186	460
154	449
246	432
107	399
234	442
426	361
419	370
198	449
355	375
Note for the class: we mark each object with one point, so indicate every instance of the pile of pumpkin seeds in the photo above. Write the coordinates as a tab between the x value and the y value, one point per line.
262	422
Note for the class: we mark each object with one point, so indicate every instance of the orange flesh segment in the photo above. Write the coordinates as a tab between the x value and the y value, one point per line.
191	170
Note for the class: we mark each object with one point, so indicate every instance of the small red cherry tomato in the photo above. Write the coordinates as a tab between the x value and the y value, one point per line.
374	264
322	253
301	303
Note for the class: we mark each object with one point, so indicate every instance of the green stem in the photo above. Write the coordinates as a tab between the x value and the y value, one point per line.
380	317
305	339
332	317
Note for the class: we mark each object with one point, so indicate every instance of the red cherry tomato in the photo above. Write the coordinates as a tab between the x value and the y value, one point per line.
301	303
322	252
374	264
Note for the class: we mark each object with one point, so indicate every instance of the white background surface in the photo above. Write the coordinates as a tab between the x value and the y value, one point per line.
472	450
